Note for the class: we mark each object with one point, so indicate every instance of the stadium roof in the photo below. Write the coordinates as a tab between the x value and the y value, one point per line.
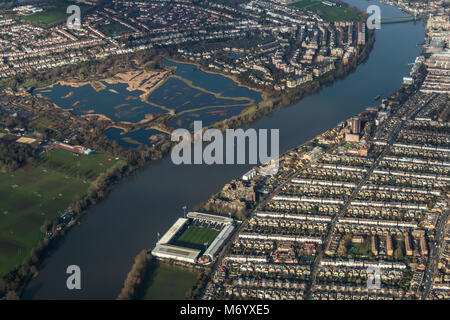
172	231
210	217
218	241
175	252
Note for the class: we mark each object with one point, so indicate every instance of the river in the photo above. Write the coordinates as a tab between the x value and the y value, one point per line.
105	243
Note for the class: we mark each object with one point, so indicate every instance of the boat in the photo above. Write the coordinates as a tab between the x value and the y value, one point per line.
377	97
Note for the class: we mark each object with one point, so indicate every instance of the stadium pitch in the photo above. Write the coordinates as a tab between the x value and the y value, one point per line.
196	237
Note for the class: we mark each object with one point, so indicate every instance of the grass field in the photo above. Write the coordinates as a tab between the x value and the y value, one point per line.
196	237
328	13
361	249
41	124
113	29
29	196
89	167
55	12
164	282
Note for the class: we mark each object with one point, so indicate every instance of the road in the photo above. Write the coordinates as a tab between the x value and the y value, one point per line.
434	255
344	208
241	226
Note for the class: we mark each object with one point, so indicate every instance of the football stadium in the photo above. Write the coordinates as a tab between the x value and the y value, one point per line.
194	239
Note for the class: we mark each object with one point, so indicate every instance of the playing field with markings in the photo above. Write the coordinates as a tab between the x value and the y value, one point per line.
330	13
31	195
196	237
53	12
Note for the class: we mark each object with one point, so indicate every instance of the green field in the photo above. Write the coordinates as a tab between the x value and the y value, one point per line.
164	282
113	29
328	13
30	196
196	237
88	167
362	249
54	13
41	124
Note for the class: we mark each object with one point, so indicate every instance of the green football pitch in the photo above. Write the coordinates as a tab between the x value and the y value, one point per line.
328	13
196	237
54	12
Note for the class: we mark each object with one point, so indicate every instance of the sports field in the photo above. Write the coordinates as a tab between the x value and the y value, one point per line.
328	13
41	124
54	12
88	167
29	196
164	282
196	237
113	29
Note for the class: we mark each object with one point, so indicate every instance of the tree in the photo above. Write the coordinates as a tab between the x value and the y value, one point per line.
12	295
135	276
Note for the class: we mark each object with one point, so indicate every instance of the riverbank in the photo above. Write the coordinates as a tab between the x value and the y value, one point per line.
327	140
167	282
65	185
273	100
278	100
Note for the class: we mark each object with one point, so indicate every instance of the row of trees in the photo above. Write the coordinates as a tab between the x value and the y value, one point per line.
12	284
135	276
14	155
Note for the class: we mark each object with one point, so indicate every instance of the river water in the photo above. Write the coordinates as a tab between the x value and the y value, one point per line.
105	243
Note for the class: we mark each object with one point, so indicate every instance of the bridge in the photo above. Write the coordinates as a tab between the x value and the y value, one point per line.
415	17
